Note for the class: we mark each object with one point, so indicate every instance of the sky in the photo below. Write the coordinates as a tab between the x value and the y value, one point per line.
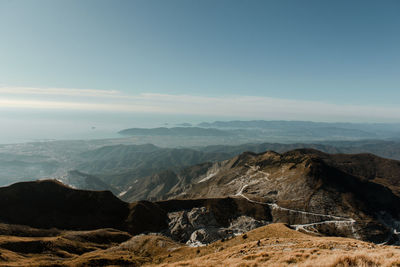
69	66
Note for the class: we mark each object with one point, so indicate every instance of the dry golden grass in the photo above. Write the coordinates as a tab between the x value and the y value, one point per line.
281	246
272	245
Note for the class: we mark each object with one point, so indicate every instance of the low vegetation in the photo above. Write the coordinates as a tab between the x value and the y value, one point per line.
272	245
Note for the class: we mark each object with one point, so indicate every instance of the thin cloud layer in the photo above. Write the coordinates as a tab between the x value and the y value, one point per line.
251	107
57	91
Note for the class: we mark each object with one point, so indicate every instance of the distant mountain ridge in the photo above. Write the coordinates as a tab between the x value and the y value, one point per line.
304	129
395	127
174	131
231	132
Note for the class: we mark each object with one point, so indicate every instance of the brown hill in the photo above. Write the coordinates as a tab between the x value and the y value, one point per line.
347	195
48	204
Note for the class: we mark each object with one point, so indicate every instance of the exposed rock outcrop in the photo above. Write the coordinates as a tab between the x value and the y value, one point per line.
199	226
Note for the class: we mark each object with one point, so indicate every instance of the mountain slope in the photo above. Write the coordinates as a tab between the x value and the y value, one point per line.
271	245
48	203
158	185
80	180
120	166
309	189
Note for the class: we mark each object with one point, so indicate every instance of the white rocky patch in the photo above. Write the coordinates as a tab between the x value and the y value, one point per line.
208	177
124	192
210	173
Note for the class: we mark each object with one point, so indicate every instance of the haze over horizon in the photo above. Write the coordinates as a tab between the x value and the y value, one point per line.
73	69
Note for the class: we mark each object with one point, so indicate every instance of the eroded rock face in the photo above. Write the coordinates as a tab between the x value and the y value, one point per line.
199	226
182	224
204	236
244	224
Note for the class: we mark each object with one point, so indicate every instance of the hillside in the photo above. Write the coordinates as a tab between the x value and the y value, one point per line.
277	245
80	180
120	166
346	195
46	223
271	245
154	187
48	204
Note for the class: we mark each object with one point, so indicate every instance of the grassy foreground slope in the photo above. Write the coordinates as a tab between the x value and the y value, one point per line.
271	245
277	245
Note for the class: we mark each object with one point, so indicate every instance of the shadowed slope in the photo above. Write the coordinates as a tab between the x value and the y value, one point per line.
48	203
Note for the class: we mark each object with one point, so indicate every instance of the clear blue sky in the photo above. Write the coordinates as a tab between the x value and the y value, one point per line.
334	52
322	50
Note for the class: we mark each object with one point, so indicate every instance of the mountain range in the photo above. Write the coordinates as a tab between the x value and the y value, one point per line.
277	131
314	194
120	166
339	194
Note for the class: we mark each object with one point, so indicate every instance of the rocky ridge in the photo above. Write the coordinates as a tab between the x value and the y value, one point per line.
343	195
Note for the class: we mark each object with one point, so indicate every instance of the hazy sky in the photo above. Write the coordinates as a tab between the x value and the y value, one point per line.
302	60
